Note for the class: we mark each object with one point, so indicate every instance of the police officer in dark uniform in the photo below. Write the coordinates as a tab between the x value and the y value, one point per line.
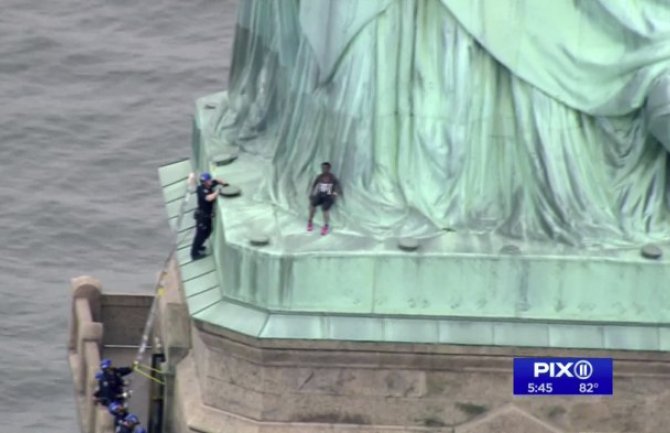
204	214
110	382
118	411
130	424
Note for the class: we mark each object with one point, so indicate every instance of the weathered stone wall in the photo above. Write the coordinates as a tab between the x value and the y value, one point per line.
97	321
451	389
124	317
86	336
174	322
174	328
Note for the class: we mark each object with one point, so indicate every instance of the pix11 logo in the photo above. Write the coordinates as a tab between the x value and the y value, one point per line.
563	376
581	369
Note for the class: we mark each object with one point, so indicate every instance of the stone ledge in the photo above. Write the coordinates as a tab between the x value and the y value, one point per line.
294	344
367	358
454	274
540	318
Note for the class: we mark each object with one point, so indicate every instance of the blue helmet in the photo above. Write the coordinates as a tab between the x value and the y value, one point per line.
105	363
115	406
132	418
205	176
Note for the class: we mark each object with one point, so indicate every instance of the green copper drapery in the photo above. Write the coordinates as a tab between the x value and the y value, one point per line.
532	119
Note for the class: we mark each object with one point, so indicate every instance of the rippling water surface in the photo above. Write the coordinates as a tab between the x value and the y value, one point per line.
94	96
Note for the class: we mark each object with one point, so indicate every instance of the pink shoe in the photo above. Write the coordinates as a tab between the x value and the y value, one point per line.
310	226
324	230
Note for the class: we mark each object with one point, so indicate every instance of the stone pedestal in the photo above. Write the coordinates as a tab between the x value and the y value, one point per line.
397	341
230	383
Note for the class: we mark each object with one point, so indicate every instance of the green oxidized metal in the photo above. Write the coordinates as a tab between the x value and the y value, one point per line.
523	144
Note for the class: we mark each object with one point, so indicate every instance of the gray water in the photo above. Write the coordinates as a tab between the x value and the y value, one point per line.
95	95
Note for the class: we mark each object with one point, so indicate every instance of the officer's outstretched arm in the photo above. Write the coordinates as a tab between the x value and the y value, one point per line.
124	371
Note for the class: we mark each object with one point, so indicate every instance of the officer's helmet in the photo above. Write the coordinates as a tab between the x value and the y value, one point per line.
105	363
204	177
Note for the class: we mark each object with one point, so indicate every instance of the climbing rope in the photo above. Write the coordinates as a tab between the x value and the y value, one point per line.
159	286
138	368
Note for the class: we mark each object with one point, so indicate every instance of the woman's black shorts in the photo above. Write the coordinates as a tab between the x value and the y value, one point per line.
323	200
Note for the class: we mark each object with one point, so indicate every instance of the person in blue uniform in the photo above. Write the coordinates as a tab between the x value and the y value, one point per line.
130	424
118	411
204	214
110	382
